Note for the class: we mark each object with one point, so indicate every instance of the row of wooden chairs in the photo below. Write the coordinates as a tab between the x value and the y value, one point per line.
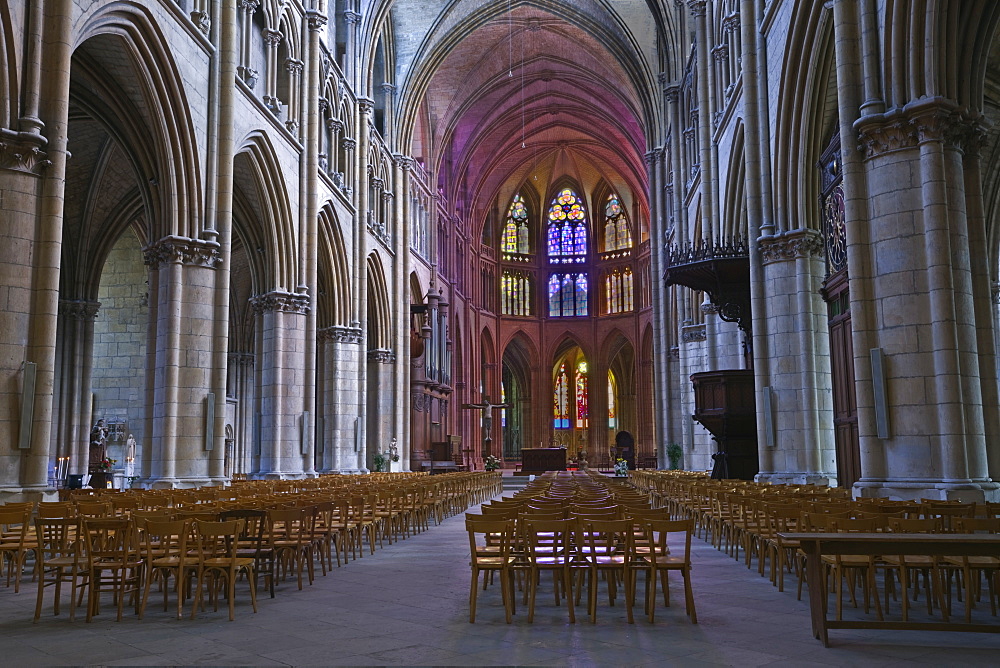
742	515
576	528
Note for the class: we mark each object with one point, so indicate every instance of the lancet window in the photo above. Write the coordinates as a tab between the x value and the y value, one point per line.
515	293
568	295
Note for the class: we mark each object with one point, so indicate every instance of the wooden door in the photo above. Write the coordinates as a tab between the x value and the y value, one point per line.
845	404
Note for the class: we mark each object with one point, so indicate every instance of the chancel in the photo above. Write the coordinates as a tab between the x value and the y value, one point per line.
258	241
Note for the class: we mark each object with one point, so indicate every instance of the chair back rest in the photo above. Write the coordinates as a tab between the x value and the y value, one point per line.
108	539
977	525
57	536
910	525
657	533
605	538
56	509
217	540
164	538
548	540
496	535
14	523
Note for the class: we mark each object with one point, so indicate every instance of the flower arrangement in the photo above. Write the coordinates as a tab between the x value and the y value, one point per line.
491	463
621	467
106	464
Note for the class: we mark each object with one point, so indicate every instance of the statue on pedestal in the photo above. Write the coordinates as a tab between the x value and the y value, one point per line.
98	445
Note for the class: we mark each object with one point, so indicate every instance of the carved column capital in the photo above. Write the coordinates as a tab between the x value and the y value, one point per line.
182	250
341	334
382	356
285	302
697	7
791	245
79	309
348	144
352	18
272	38
22	152
315	20
366	105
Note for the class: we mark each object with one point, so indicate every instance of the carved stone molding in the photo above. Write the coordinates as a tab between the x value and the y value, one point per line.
348	144
697	7
693	334
708	308
721	52
652	157
995	292
316	20
79	309
241	359
182	250
381	356
249	5
366	105
672	93
341	334
285	302
405	162
791	246
352	17
272	38
335	125
294	66
202	20
731	23
926	120
22	152
389	89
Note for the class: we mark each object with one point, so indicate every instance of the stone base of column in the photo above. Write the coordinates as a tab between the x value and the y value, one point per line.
181	483
797	478
914	490
280	475
24	494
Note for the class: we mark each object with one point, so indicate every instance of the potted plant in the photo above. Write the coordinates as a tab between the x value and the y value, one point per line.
674	454
491	463
381	462
621	468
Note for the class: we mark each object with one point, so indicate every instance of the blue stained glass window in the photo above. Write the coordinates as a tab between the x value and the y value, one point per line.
581	294
555	296
567	231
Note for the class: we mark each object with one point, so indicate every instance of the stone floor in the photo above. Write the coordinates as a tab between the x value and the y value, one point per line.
407	605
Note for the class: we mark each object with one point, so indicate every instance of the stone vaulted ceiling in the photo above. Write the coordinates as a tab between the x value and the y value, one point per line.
511	94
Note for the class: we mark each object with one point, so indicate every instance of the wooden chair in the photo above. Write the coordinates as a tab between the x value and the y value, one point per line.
217	547
491	555
59	560
166	551
662	560
548	545
605	547
903	564
974	568
16	541
289	534
112	558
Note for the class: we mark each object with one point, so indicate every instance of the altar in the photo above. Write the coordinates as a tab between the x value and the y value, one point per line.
540	460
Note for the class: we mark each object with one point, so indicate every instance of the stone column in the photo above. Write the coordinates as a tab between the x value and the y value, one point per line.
281	323
245	69
272	38
401	429
182	283
658	219
74	365
341	399
351	74
924	303
362	174
792	270
708	217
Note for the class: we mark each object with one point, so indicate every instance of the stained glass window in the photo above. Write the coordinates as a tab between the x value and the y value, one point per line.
618	287
612	407
581	395
503	400
515	232
617	235
567	231
568	295
515	293
561	399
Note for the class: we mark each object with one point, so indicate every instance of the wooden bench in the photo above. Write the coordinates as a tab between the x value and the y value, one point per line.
815	545
440	466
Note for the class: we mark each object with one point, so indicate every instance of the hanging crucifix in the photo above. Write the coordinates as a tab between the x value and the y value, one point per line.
487	412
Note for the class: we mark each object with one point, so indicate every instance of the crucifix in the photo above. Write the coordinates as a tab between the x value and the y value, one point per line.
487	412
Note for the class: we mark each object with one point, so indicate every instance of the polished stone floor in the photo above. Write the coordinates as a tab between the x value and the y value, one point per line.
407	605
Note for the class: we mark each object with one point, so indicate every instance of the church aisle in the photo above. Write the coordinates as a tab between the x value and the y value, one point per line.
407	605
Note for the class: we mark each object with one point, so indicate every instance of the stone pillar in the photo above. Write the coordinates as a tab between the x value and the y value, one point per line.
341	348
245	69
709	220
182	283
924	303
72	402
801	385
281	323
401	312
272	39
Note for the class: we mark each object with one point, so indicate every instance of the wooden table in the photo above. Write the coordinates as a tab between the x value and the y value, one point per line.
540	460
815	545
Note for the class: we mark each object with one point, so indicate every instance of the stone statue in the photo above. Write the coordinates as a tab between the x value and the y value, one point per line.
98	443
